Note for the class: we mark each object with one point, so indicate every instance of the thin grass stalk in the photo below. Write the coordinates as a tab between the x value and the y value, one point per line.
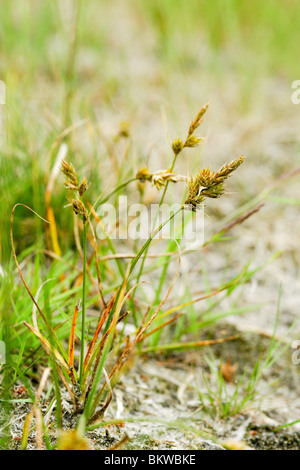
168	322
155	219
72	343
110	243
84	242
98	329
177	147
58	408
105	345
100	201
135	261
147	243
90	406
189	345
97	266
21	275
145	325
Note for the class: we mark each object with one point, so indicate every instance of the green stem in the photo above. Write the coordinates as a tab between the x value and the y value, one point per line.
146	251
136	259
98	203
156	231
118	188
83	302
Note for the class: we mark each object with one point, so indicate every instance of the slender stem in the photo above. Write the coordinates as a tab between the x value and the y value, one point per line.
166	265
118	188
146	251
57	394
84	241
159	206
98	203
136	259
156	231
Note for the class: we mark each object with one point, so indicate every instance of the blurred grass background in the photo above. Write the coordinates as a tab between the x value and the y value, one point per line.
130	59
135	62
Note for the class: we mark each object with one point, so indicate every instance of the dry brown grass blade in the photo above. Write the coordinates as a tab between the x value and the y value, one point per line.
53	255
72	338
209	342
146	326
35	411
237	221
98	329
206	296
66	384
189	345
119	445
52	229
124	357
34	318
39	428
115	319
50	214
26	427
161	326
94	213
48	348
100	413
18	266
101	347
130	291
133	255
42	384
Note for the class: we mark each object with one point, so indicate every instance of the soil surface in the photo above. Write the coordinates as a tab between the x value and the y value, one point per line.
160	398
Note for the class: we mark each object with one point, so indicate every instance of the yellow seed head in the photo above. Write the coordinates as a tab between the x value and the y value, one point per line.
198	119
83	187
177	146
70	172
79	209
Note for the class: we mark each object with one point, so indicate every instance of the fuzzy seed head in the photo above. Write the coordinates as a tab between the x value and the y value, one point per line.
207	184
70	185
192	141
69	172
160	178
79	209
143	175
83	187
198	119
177	146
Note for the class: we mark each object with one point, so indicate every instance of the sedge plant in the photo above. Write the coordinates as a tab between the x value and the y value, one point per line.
105	354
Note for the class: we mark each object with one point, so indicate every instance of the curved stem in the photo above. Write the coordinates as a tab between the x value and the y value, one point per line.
118	188
146	250
146	245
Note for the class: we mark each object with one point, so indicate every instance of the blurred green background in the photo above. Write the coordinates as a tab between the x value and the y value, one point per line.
136	61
